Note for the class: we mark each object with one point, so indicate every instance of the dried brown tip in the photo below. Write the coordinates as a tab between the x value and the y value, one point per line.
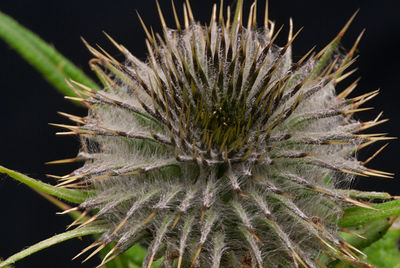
374	155
64	161
160	14
144	27
94	252
339	35
177	23
118	46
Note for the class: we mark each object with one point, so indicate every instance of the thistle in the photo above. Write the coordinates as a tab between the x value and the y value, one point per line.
218	150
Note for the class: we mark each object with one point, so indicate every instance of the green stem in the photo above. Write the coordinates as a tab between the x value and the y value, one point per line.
366	195
74	196
50	242
45	58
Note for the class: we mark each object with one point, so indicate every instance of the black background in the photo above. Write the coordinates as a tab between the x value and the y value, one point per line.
28	103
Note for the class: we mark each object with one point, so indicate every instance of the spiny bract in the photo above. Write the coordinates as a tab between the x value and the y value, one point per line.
218	151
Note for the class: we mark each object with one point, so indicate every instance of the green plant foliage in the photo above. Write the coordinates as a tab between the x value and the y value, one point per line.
131	258
369	233
50	242
369	225
357	216
73	196
385	252
55	68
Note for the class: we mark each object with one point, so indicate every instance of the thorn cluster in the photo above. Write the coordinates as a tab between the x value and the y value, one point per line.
219	151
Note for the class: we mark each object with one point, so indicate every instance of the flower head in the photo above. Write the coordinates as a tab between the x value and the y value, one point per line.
218	150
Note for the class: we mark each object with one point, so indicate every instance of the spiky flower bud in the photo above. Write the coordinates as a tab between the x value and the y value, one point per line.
218	150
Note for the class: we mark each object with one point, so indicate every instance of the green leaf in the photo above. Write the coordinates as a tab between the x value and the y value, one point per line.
45	58
371	232
357	216
133	257
366	235
74	196
50	242
385	252
365	228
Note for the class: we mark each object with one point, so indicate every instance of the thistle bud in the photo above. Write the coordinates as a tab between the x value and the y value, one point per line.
218	150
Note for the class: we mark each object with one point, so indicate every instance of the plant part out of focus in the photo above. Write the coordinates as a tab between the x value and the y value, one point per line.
216	151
